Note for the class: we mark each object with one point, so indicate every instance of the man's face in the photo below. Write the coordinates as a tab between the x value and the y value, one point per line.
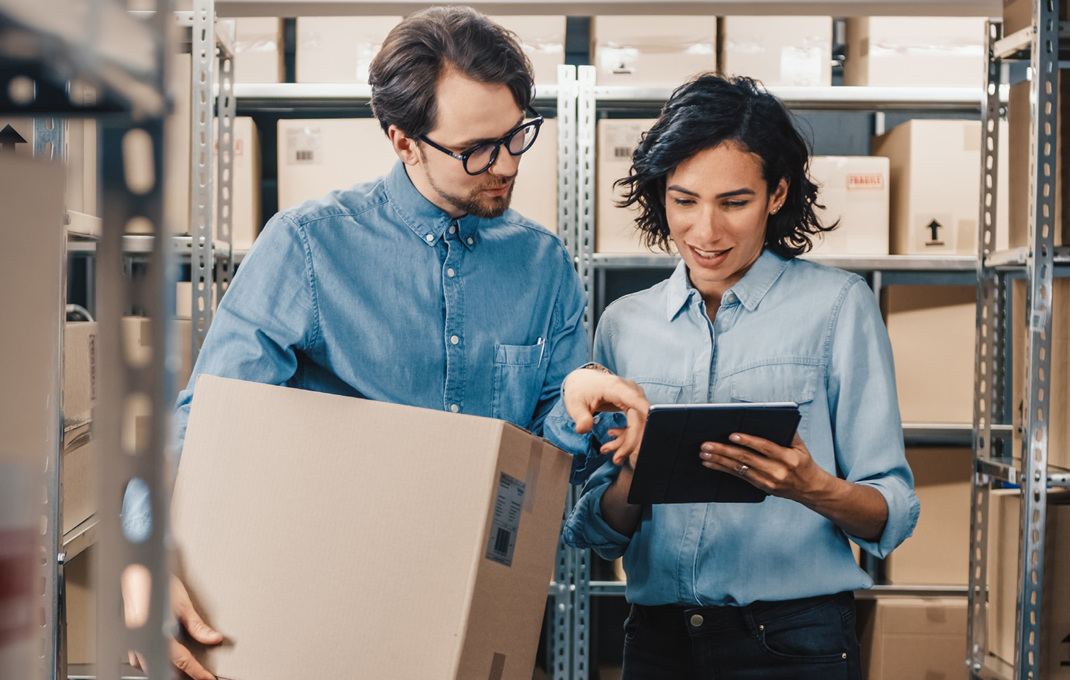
469	112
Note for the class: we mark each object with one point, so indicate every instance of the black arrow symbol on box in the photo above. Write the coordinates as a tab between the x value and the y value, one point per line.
934	225
9	137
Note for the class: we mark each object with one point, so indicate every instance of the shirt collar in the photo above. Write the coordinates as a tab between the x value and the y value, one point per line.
750	290
424	218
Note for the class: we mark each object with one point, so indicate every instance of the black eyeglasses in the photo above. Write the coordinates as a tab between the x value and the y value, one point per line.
478	159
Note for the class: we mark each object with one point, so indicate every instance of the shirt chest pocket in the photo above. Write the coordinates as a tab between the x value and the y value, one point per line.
517	382
778	382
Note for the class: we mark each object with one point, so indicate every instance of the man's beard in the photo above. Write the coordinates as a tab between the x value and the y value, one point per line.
487	207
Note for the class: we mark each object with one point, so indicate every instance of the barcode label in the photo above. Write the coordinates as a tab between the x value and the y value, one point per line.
506	521
303	145
305	155
622	152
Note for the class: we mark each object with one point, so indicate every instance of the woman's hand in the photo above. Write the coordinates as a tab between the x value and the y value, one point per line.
590	391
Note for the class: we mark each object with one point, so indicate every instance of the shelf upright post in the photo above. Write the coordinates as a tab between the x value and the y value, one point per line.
133	447
988	358
1043	123
226	104
203	49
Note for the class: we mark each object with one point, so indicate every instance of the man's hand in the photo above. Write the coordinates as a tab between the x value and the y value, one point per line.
136	595
587	392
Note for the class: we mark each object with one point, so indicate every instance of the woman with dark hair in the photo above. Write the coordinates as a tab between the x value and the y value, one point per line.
755	590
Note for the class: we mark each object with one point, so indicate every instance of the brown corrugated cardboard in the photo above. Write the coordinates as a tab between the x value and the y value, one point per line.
854	191
258	50
245	186
535	192
936	193
615	230
1018	159
652	51
915	52
794	51
79	370
543	40
184	299
1057	389
339	49
79	496
932	329
80	609
137	339
320	156
906	638
1003	566
384	491
1017	14
938	552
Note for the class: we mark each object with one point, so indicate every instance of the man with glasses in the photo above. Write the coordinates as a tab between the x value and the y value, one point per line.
419	288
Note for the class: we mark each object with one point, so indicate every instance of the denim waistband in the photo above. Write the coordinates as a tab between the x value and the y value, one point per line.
730	616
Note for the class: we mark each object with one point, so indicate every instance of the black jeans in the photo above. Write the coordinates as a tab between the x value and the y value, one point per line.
808	639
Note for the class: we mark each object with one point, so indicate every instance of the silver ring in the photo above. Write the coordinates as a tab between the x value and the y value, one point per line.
743	470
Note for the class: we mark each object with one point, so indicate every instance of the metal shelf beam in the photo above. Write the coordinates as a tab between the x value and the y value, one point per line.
1010	470
135	245
618	588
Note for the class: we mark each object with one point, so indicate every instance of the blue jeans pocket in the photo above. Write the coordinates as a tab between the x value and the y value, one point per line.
816	635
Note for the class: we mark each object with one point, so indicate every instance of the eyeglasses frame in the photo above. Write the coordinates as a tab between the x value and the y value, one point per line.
537	120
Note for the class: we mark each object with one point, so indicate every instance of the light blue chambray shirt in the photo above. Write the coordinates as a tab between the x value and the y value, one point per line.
790	330
375	292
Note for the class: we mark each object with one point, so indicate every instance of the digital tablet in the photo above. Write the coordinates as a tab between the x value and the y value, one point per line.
669	470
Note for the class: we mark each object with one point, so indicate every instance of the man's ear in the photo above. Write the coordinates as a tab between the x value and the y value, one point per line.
404	146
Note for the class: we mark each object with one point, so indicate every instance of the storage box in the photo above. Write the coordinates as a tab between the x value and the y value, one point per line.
615	230
1017	14
79	493
1018	160
795	51
79	370
916	52
535	191
137	339
938	553
339	49
184	299
246	222
1003	541
258	56
854	191
489	522
1057	388
906	638
933	333
936	192
81	609
320	156
543	39
652	51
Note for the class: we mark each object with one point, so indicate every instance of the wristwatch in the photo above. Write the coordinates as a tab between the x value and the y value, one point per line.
597	367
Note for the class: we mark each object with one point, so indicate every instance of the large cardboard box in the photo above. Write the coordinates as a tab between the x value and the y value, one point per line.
258	55
936	186
535	191
339	49
137	340
906	638
1018	126
939	550
79	493
916	52
854	191
79	370
794	51
933	329
652	51
361	517
1056	403
246	221
543	40
81	609
1017	14
615	230
320	156
1004	534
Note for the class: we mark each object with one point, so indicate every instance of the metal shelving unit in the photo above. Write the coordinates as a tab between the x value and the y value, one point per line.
1042	44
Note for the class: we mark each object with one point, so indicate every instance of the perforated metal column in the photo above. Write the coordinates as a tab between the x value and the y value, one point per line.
227	103
203	48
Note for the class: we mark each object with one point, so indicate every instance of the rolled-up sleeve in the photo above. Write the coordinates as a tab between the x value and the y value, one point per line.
864	409
585	527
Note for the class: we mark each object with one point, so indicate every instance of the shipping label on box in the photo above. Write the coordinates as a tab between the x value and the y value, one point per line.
854	191
652	51
371	504
339	49
793	51
79	371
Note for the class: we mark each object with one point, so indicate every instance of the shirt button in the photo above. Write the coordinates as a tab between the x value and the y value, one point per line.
470	241
429	238
450	273
454	339
455	408
696	621
453	229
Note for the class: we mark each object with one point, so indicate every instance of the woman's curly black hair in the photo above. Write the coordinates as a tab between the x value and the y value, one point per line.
704	113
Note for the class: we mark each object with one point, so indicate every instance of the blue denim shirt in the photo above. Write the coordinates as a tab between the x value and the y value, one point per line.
788	331
375	292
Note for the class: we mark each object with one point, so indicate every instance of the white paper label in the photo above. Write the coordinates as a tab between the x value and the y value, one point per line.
303	146
506	522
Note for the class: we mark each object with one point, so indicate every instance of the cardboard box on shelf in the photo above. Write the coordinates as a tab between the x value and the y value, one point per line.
81	609
1003	576
79	370
854	191
615	230
184	299
938	553
543	39
795	51
1018	14
258	54
906	638
932	329
320	156
489	521
79	495
935	168
535	192
1057	390
245	186
137	341
339	49
652	51
916	52
1018	159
